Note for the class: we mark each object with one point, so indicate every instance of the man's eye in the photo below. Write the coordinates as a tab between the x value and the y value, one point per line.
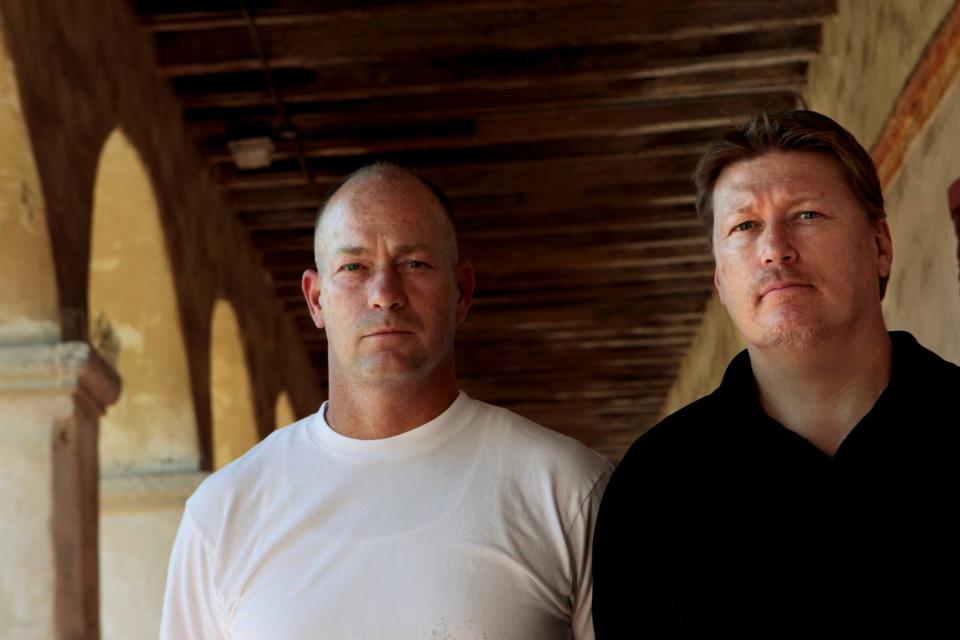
352	266
744	226
809	215
416	264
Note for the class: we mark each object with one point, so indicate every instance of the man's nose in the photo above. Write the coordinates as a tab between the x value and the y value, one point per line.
777	245
386	289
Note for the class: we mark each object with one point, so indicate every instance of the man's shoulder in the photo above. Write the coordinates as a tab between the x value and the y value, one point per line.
538	445
919	361
679	436
241	484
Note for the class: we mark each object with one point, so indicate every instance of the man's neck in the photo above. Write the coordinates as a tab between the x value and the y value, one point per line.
824	392
371	412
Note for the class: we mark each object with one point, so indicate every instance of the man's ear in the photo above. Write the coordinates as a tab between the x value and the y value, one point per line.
311	291
716	284
884	248
466	282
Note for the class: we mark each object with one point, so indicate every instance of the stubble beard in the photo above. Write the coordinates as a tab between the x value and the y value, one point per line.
793	329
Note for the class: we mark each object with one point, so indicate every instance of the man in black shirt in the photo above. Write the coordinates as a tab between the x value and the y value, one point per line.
813	492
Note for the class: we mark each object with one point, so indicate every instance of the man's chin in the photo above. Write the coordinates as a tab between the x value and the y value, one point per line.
391	369
793	335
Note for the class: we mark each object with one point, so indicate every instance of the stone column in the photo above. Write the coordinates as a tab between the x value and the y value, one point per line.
51	396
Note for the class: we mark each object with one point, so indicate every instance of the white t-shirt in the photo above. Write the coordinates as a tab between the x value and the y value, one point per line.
477	524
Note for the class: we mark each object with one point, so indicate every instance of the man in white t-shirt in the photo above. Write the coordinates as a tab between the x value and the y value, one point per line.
403	508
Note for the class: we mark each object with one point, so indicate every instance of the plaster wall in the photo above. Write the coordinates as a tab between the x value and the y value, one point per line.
139	516
28	305
924	291
234	427
285	414
153	426
869	49
27	560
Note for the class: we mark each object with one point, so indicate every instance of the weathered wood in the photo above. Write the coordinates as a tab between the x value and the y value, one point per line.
251	106
516	71
192	15
344	39
588	148
531	127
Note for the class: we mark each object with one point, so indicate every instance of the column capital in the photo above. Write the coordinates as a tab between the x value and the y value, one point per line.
59	367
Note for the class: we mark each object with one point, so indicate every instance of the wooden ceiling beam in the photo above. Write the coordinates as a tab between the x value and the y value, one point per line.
471	177
506	155
192	15
308	110
488	247
534	127
629	76
491	225
663	193
464	37
578	175
597	230
665	221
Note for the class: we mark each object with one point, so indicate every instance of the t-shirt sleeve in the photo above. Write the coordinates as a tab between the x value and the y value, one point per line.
190	608
581	540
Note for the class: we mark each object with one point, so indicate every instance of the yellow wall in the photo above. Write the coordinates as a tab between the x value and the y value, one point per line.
153	426
284	413
924	292
234	420
868	52
28	303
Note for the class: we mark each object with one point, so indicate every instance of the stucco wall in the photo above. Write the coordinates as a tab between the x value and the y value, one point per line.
869	49
28	305
924	291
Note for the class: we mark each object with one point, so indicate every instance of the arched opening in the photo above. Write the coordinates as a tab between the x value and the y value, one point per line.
231	399
149	437
133	318
283	413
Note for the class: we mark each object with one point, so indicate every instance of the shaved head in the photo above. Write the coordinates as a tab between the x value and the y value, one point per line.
386	177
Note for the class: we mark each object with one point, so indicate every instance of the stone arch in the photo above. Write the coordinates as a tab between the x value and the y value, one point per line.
231	395
283	412
133	319
148	440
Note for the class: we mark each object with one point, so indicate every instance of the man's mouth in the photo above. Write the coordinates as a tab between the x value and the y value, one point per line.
781	285
387	333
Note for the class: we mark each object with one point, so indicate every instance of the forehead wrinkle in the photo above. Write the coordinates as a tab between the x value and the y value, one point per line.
379	189
353	251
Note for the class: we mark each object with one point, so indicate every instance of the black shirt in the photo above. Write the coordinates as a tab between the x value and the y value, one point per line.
721	519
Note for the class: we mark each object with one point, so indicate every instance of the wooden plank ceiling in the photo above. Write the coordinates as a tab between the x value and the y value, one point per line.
564	131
